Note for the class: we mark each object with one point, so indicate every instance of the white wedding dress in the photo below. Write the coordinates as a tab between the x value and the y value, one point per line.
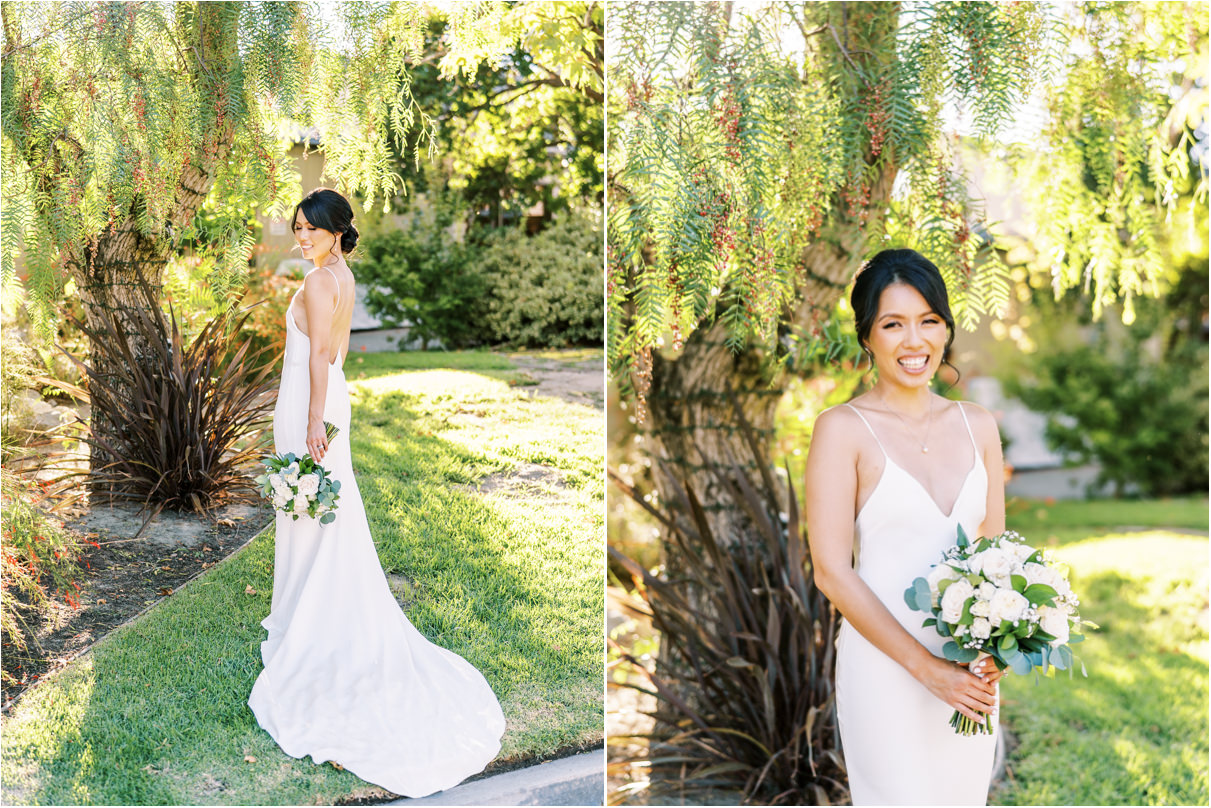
347	678
896	736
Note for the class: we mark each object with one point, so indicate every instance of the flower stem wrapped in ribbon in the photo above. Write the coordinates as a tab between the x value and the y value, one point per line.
300	486
1002	598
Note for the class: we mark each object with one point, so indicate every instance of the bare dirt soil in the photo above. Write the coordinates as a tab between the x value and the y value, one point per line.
121	576
577	382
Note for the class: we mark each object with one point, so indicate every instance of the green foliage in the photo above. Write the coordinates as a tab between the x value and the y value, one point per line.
125	115
544	290
516	101
500	287
430	280
1116	158
736	152
38	562
1144	421
744	687
191	428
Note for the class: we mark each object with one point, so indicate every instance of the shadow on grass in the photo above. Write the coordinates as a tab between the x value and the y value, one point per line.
157	712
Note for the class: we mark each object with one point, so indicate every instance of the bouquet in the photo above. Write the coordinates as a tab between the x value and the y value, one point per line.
1002	598
299	485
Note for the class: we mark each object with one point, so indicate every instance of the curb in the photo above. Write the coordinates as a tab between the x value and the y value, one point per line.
576	780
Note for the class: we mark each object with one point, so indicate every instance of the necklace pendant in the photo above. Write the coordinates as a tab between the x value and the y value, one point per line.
925	449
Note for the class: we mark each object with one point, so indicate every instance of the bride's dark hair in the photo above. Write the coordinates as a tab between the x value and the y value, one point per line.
899	266
329	210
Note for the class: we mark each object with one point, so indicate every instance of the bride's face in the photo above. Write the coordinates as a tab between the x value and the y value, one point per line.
908	338
316	244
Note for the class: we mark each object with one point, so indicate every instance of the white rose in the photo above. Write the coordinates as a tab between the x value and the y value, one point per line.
291	474
300	504
954	598
309	484
279	501
1021	552
986	590
980	627
283	490
997	565
1055	622
1007	605
981	608
940	573
1044	574
276	481
1036	574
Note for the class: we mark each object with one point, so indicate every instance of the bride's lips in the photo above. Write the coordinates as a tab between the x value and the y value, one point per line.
914	364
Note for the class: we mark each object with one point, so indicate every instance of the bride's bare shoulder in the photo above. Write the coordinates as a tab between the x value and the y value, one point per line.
983	423
320	281
835	429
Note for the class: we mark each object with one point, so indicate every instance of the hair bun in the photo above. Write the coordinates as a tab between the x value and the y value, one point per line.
349	238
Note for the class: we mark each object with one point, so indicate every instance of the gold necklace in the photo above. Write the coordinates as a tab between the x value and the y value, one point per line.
928	425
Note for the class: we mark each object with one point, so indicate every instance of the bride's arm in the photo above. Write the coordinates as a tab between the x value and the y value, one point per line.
831	493
319	296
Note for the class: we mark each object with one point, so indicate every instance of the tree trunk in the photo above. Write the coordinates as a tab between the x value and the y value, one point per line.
108	272
692	417
690	402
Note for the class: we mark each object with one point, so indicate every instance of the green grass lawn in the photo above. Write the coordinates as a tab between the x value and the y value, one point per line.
508	576
1135	731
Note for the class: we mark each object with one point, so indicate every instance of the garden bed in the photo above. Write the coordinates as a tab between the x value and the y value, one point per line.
121	576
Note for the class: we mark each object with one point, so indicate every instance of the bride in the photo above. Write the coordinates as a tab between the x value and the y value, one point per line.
347	678
890	477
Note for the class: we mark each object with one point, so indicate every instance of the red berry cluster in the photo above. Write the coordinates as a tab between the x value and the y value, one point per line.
727	116
758	276
878	116
637	92
613	270
977	64
855	195
139	107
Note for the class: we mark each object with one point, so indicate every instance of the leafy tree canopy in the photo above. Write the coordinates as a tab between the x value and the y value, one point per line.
748	143
119	118
517	107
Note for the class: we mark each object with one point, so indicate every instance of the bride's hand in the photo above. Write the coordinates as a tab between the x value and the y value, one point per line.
961	689
987	669
317	441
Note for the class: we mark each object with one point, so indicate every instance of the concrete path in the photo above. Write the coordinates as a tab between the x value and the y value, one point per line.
576	780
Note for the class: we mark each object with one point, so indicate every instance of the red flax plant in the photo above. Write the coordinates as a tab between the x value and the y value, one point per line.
744	683
190	419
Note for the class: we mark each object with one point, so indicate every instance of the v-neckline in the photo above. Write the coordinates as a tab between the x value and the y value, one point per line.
953	506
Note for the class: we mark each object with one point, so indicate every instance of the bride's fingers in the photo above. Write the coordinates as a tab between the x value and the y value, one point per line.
983	701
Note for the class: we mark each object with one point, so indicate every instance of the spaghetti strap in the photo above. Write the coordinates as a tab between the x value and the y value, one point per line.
868	426
967	423
338	287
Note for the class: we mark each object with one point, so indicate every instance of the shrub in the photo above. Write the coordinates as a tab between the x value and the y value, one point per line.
421	275
545	290
1142	420
744	685
189	427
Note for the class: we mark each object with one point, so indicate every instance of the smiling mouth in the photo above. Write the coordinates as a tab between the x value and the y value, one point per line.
914	363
